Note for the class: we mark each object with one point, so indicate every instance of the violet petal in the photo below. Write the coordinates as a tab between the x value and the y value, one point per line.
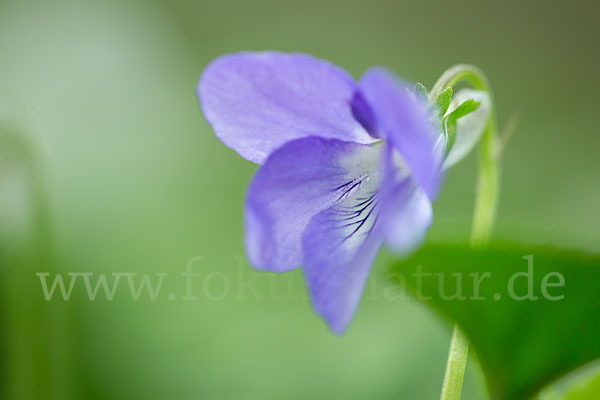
299	180
256	102
403	122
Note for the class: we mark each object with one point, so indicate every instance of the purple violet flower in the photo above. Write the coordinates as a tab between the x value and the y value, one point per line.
345	167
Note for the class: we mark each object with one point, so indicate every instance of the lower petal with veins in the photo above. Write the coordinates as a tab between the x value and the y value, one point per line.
297	182
341	243
339	247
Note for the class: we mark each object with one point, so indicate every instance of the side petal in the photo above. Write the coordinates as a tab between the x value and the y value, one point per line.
339	247
406	206
298	181
403	120
410	216
256	102
470	127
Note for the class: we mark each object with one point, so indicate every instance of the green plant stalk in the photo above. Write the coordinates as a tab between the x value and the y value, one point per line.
486	199
35	348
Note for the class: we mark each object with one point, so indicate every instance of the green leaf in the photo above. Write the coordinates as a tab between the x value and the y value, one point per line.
550	394
586	390
442	101
525	331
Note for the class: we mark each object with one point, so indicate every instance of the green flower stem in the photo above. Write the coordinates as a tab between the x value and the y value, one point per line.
483	217
455	366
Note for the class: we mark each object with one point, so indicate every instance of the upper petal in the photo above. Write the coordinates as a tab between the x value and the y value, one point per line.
256	102
299	180
403	120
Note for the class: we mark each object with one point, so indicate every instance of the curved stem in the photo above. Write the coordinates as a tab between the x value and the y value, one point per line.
486	199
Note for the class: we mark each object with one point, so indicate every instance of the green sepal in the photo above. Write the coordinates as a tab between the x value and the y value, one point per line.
449	121
442	101
450	132
421	90
466	107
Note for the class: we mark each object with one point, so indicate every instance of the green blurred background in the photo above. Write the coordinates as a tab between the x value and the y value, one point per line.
108	166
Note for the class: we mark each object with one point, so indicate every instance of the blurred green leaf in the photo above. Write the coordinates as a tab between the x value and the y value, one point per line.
550	393
526	327
587	390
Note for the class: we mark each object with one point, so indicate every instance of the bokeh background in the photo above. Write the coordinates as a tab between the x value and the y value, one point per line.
108	166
